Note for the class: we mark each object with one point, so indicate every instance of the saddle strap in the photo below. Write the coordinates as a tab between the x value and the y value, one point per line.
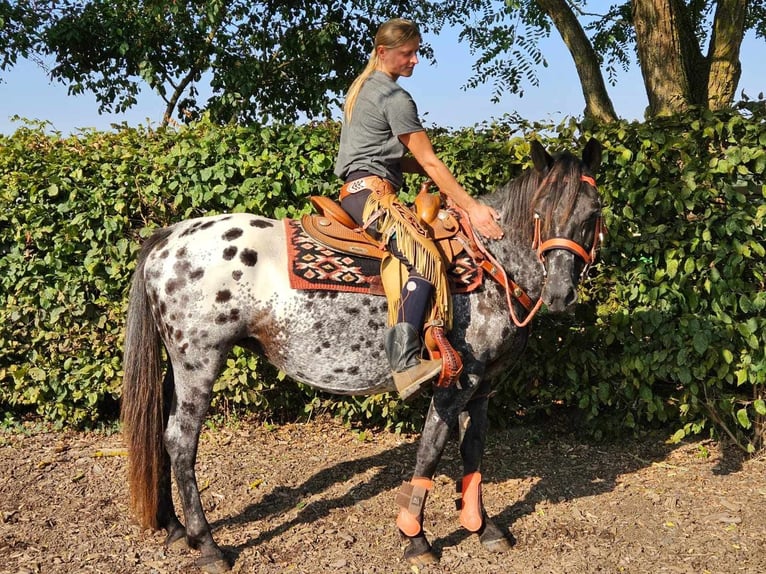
439	347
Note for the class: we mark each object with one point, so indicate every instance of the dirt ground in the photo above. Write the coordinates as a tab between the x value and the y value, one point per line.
318	497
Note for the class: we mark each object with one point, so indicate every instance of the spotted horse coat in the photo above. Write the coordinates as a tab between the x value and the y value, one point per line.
204	285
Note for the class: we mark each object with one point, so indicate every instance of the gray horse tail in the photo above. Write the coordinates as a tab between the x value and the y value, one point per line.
142	409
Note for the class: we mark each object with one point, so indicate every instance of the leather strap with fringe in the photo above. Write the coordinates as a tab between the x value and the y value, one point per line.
413	241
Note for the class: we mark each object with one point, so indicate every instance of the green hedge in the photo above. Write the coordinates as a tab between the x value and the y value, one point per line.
670	328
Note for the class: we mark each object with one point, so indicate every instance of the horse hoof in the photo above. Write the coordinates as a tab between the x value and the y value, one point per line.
494	539
176	541
419	552
213	564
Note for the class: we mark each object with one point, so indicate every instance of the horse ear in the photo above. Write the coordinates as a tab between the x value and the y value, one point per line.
540	157
591	155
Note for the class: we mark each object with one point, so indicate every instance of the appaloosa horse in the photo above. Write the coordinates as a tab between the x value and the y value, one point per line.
205	285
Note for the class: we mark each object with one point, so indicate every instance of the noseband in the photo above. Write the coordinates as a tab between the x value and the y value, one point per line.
570	245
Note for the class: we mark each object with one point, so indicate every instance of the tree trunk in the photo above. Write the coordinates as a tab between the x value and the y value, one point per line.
672	66
598	105
725	67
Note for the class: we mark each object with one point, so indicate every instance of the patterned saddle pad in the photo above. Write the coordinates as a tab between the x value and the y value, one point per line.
312	266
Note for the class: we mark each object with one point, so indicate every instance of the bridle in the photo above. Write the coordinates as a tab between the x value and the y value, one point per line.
475	247
553	243
588	257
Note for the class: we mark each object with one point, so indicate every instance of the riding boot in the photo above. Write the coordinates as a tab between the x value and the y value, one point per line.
403	348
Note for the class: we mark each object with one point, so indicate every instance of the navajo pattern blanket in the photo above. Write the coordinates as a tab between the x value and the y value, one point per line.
313	266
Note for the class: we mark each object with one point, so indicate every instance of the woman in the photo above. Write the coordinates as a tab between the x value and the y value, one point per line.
381	125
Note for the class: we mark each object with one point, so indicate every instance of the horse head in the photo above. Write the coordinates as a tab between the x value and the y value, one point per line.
566	208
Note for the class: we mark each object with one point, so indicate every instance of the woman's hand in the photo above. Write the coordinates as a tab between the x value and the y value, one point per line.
484	220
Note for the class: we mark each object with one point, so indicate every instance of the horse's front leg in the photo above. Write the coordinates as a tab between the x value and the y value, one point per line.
474	424
441	420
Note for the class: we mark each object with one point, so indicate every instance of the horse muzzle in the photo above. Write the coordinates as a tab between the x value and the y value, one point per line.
560	289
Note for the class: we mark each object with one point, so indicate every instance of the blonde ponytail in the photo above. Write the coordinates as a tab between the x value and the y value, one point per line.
391	34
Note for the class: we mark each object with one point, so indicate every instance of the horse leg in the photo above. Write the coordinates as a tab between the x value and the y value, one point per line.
166	513
187	414
473	425
441	420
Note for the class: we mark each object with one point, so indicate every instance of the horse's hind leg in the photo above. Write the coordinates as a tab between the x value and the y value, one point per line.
166	513
188	409
473	427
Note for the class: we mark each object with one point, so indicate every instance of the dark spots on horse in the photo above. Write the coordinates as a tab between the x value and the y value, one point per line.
333	295
317	351
221	319
249	257
351	310
317	325
222	296
366	301
231	317
181	267
181	253
182	349
178	335
232	234
189	366
162	244
164	254
355	347
326	344
163	305
173	285
229	253
196	274
261	223
236	275
353	370
189	408
375	354
207	225
373	325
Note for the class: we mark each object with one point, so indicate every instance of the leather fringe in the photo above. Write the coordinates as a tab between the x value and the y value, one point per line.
418	248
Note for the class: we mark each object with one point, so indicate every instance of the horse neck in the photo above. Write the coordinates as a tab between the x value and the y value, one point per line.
514	251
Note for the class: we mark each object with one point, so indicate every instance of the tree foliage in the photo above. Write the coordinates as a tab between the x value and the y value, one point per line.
295	59
261	60
688	51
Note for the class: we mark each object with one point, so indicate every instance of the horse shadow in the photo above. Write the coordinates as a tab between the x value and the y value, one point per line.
392	467
564	466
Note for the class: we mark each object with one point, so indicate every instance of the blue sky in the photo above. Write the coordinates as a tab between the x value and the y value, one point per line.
25	91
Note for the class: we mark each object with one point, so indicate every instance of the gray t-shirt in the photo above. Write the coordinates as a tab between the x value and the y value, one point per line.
370	141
